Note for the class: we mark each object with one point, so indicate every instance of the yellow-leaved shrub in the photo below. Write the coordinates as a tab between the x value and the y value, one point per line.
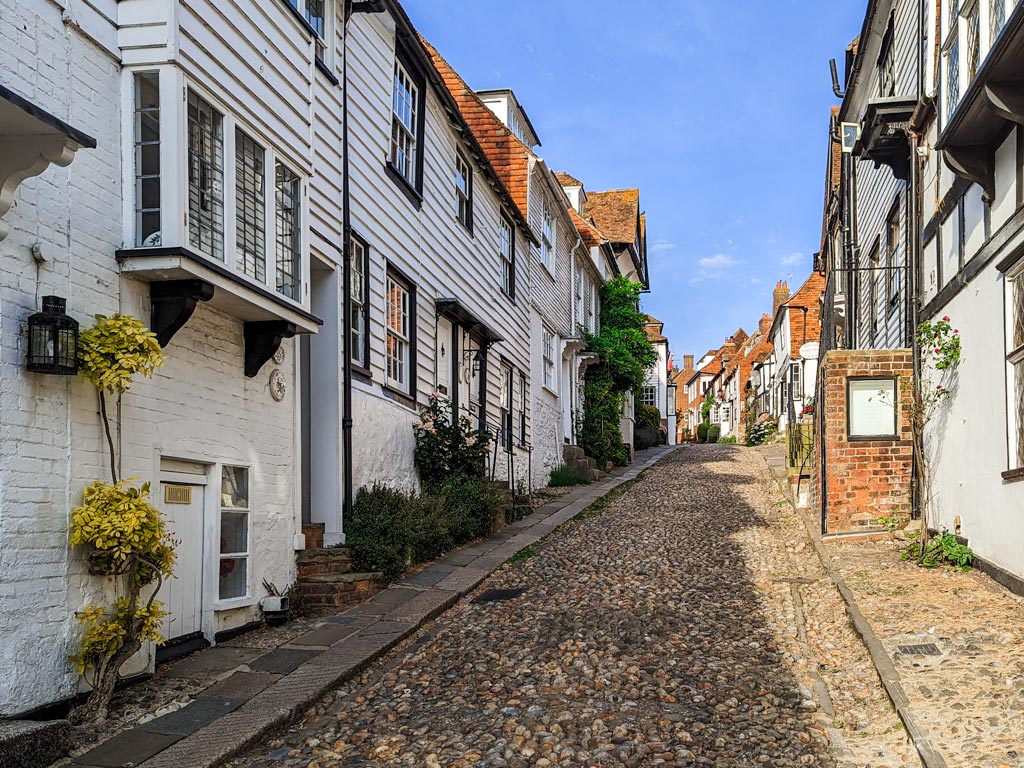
115	349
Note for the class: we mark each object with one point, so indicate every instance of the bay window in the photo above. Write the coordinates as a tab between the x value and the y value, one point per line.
234	200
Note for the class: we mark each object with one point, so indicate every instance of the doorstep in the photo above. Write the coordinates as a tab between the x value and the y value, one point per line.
259	691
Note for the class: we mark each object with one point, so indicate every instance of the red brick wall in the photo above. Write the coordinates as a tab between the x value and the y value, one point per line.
864	479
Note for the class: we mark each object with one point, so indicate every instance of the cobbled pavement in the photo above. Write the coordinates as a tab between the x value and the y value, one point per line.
686	624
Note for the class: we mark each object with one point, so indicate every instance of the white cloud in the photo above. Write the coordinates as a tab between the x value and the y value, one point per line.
660	246
794	259
713	267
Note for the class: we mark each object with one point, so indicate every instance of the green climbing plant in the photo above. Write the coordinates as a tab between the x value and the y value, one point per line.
626	355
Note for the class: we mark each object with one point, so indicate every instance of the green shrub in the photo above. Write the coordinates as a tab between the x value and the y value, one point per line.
647	417
940	549
563	477
731	440
714	432
702	433
447	446
381	530
471	507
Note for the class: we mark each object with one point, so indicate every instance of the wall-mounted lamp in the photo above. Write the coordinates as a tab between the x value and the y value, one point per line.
478	359
53	339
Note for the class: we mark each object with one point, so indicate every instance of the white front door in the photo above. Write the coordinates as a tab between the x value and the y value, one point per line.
182	505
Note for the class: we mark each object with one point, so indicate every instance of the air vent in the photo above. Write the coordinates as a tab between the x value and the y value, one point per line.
177	494
925	649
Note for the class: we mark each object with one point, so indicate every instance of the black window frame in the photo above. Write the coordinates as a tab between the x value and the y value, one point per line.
468	221
511	293
412	189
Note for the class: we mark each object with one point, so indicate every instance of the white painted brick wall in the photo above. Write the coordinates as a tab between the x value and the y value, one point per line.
51	444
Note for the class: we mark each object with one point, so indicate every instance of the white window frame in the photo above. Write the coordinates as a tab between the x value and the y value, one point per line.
322	31
649	395
287	248
548	231
405	140
398	360
548	358
505	401
141	211
246	556
1015	368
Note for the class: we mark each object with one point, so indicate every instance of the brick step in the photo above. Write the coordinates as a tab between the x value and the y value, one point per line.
315	593
323	555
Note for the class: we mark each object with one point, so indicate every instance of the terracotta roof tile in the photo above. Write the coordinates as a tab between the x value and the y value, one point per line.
566	180
589	234
616	213
509	156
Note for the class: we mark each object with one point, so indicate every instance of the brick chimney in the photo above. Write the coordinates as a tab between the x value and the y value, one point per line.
766	324
687	362
780	296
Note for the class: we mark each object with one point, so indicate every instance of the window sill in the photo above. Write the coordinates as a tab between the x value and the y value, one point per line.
360	373
550	390
233	603
468	227
325	70
403	184
1013	475
400	397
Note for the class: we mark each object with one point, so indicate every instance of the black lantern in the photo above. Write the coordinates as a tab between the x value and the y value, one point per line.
53	339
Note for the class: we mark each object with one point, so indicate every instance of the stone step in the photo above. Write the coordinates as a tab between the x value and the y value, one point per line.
28	743
323	555
572	453
339	578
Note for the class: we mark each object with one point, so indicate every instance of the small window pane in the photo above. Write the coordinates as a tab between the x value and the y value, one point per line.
147	159
871	407
235	487
250	220
287	206
234	532
205	178
233	577
358	286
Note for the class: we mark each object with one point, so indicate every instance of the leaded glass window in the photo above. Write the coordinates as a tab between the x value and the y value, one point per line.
147	159
205	177
996	19
288	234
505	248
973	23
250	219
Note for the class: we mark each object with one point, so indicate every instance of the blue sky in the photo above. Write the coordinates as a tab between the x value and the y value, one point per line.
717	111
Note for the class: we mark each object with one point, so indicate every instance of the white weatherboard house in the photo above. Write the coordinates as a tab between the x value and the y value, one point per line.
973	272
655	391
191	213
185	163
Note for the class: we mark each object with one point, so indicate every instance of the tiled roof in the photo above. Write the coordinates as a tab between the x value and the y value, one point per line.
566	180
510	158
616	213
805	326
589	234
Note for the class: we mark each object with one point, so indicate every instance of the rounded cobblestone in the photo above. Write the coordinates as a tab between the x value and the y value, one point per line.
654	633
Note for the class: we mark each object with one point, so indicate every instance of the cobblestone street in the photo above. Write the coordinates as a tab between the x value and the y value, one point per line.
686	623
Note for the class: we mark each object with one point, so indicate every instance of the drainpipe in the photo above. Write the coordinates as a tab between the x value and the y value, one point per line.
350	8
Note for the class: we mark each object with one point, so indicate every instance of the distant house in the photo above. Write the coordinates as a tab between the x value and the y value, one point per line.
794	338
656	387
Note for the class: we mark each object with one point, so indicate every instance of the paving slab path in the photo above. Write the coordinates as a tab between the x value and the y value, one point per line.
666	629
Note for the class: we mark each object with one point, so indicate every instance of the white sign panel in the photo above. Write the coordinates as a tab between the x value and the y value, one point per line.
871	407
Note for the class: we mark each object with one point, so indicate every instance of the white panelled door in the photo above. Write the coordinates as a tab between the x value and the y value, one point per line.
182	595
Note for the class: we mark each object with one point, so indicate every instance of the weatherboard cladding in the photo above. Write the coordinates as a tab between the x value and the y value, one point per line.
424	242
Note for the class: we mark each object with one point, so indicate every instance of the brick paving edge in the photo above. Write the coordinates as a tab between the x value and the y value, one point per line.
887	673
230	735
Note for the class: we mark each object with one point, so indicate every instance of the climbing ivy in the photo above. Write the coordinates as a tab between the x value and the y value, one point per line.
626	355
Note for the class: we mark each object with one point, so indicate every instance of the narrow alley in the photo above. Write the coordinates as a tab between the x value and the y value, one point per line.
687	622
